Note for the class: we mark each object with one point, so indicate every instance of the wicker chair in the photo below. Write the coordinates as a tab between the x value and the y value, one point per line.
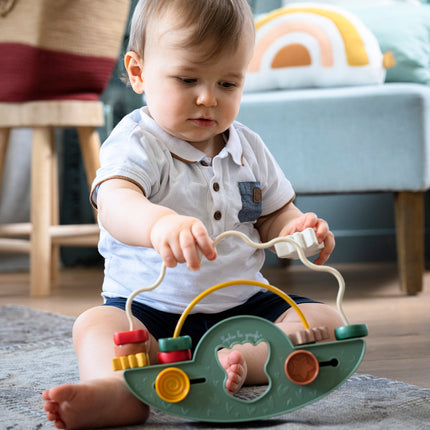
57	58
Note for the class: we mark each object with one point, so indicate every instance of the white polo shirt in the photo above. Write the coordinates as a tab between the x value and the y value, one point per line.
242	183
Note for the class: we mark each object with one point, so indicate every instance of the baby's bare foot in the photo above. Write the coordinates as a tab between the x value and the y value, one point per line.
235	366
95	403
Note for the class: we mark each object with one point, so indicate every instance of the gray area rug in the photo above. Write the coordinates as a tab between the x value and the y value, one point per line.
37	353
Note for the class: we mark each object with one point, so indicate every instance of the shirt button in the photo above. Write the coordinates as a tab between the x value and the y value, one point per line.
204	163
215	186
217	215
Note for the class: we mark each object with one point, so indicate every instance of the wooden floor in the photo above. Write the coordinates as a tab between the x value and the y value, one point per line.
398	345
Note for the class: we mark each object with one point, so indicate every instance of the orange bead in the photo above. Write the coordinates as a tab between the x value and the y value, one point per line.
302	367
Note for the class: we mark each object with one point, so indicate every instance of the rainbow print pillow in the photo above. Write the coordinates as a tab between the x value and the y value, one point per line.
314	45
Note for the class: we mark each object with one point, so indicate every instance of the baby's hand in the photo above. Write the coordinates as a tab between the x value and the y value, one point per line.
178	238
323	233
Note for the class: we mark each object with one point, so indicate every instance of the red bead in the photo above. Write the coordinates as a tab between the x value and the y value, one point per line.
132	336
174	356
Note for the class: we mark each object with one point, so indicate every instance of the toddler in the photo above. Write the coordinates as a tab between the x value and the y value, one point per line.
175	174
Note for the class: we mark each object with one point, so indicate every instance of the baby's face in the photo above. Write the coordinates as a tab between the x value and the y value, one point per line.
193	100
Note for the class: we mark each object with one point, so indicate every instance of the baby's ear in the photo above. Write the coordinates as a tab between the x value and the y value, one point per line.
134	65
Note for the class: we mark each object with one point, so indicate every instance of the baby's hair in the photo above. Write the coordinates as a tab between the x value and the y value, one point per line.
221	22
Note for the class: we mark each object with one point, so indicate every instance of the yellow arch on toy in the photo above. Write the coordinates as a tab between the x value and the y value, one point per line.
205	293
355	50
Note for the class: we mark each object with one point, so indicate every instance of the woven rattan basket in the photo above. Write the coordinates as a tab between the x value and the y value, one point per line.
59	49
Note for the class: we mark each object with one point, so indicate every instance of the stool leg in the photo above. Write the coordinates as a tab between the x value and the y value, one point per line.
410	240
41	171
55	209
4	140
89	141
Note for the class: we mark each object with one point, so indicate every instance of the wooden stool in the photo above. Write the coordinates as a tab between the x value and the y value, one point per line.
44	232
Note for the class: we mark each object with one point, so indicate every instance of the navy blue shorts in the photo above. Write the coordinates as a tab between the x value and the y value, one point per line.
161	324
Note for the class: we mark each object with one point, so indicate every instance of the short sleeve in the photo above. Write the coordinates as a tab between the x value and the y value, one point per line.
131	154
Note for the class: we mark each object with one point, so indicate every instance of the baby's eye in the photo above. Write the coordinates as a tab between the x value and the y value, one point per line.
227	84
186	80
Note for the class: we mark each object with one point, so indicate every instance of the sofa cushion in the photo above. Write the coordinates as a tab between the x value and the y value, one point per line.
344	140
313	45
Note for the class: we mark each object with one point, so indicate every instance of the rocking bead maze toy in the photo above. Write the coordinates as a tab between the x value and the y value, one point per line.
299	370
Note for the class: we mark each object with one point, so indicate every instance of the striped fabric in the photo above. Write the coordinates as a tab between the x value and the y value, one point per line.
59	49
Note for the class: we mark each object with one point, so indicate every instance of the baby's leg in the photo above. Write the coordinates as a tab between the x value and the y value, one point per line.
317	315
101	399
253	358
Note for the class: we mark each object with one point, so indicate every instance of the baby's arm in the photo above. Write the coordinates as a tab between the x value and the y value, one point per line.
132	219
288	220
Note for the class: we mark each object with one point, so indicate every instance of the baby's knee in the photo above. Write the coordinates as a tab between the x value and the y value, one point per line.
86	320
321	314
321	318
316	315
100	321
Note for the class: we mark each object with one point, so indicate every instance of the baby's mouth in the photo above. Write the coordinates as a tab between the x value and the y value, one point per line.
203	122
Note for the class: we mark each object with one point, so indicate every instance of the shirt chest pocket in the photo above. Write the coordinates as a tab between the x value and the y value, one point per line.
252	201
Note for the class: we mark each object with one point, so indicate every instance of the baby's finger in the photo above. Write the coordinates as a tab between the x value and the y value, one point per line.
189	250
309	220
322	230
167	255
204	242
329	243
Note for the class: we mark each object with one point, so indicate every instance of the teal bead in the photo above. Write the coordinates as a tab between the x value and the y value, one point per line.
351	331
179	343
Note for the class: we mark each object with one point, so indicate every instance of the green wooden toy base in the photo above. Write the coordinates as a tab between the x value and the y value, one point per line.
208	400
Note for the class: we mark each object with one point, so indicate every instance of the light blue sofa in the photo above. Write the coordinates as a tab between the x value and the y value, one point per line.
354	140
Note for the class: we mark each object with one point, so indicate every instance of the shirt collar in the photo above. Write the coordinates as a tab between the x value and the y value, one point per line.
183	151
233	146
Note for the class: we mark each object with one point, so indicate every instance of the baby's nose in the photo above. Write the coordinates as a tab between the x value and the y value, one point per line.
206	97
